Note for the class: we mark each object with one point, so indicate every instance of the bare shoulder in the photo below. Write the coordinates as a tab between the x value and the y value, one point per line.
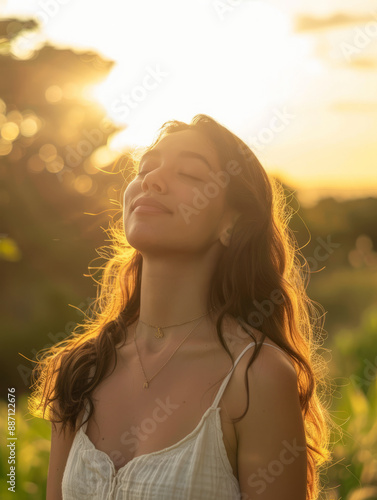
271	440
272	374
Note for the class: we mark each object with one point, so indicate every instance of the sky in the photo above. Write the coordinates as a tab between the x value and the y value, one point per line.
296	82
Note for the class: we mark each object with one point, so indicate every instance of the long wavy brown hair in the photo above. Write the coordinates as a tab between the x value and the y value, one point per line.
262	259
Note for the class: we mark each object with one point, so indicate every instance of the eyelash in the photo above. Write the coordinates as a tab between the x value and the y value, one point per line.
192	177
186	175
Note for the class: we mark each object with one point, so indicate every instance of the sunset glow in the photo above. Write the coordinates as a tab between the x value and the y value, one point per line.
297	85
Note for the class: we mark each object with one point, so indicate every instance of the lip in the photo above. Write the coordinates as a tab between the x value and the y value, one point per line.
149	205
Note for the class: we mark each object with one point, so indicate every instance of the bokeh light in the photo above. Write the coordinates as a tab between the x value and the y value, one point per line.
10	131
9	250
5	147
3	107
35	164
48	152
83	183
15	116
103	156
53	94
89	167
29	126
56	165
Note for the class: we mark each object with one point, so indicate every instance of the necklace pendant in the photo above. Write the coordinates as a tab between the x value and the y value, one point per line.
159	334
146	385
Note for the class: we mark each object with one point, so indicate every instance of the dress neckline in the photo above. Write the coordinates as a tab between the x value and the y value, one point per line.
188	437
214	407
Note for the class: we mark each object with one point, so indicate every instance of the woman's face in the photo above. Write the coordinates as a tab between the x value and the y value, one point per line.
177	173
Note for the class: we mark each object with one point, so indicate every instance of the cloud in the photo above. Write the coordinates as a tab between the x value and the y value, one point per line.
304	23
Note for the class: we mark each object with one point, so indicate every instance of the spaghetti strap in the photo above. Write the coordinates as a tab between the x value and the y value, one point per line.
226	380
218	395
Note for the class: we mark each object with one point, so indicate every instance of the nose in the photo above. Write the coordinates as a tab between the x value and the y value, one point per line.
154	180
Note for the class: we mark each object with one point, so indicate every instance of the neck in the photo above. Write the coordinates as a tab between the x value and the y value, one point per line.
172	292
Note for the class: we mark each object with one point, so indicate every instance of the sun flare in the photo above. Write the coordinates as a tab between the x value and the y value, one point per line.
191	77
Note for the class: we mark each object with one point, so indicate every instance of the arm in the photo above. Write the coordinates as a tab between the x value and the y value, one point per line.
60	447
272	459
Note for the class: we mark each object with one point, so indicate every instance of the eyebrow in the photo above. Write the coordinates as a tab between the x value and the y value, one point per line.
182	154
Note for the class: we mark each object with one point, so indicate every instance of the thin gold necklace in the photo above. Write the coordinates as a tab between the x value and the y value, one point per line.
146	383
160	333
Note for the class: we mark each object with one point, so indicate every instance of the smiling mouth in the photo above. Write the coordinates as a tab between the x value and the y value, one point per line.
148	209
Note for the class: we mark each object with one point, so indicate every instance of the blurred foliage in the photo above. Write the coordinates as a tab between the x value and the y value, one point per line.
353	473
32	453
56	193
59	189
355	351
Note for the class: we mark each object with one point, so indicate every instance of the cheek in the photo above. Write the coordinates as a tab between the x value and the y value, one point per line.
200	217
205	205
129	194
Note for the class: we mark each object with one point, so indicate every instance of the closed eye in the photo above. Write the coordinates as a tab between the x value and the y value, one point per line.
186	175
192	177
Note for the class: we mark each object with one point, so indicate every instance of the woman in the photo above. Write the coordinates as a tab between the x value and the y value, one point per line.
170	390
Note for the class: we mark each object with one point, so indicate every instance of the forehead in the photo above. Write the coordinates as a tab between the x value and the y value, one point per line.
191	140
